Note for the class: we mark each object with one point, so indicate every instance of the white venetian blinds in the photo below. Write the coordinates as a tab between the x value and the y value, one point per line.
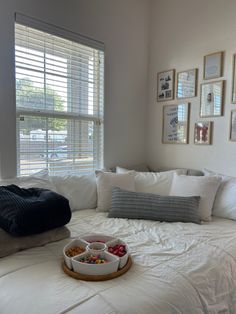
59	99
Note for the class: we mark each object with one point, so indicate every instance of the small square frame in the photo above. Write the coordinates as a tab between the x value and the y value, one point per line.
232	135
166	85
212	99
234	80
203	133
175	124
187	84
213	65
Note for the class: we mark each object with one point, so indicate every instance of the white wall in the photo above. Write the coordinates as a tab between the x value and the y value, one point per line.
181	33
123	27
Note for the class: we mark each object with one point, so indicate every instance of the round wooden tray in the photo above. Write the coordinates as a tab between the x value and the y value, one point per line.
98	277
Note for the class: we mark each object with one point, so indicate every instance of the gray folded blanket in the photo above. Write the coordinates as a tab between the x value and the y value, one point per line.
10	244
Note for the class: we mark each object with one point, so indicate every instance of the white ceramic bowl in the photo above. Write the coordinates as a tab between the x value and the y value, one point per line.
97	237
95	269
96	248
74	243
123	260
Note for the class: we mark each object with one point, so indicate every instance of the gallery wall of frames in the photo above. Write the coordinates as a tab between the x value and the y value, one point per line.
182	86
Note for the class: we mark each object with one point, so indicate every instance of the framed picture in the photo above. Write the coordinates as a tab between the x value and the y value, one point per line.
213	65
187	84
203	132
165	85
233	126
175	126
212	95
234	80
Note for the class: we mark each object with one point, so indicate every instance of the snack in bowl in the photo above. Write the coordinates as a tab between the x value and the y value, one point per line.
93	260
118	250
73	251
95	264
96	254
74	248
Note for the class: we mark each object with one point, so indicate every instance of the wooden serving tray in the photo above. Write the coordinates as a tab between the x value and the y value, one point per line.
97	277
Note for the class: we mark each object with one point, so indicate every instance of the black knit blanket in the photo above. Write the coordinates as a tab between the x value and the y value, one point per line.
30	211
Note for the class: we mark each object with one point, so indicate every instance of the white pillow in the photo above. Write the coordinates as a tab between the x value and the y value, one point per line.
205	187
37	180
81	191
153	182
225	201
106	181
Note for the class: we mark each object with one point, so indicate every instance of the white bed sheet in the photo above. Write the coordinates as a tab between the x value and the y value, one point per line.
178	268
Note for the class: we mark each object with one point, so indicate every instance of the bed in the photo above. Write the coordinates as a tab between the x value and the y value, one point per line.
178	268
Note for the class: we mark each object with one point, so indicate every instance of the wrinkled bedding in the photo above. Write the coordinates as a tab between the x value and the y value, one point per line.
178	268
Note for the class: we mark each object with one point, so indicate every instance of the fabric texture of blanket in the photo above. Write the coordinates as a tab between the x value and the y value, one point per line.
30	211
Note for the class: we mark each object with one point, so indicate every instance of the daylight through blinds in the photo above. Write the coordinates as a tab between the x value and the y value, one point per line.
59	102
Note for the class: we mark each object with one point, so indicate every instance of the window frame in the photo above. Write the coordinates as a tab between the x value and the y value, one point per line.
97	120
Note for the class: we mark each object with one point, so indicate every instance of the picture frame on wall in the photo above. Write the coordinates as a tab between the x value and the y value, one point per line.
212	96
234	80
187	84
213	65
165	85
175	127
233	126
203	133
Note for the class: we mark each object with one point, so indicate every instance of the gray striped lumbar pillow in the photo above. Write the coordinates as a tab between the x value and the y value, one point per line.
133	205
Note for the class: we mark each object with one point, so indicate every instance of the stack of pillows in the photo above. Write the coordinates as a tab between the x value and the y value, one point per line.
166	196
171	196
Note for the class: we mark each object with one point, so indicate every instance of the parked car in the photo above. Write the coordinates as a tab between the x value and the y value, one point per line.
58	152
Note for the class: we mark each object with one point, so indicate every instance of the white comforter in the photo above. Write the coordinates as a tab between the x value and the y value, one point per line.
178	268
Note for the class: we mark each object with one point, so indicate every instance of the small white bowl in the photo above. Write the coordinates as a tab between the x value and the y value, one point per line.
95	269
96	248
123	259
74	243
97	237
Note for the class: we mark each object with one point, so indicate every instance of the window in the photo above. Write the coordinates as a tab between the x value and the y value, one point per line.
59	99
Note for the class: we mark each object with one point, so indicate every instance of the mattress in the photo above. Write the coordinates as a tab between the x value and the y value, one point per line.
178	268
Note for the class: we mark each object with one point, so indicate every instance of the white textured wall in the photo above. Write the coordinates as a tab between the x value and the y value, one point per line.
123	27
181	33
